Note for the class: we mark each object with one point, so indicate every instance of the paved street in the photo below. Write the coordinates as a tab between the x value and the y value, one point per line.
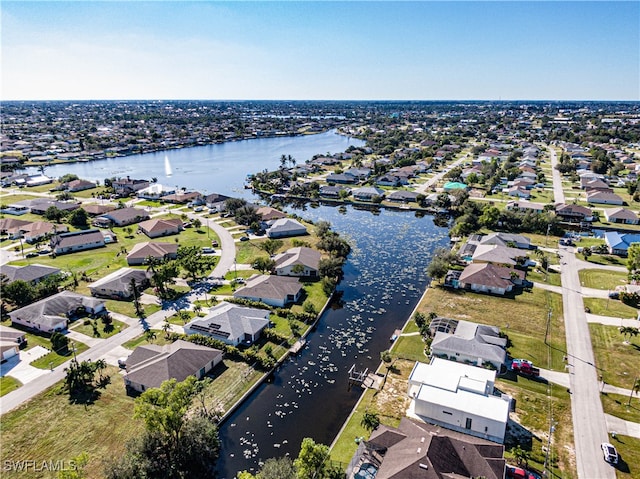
558	192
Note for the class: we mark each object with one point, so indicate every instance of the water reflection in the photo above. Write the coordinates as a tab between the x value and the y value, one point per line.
383	280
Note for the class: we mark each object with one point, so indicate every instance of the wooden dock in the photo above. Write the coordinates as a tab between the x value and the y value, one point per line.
297	346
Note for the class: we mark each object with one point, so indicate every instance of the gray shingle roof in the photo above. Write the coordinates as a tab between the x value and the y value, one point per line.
120	280
48	311
299	255
30	272
269	287
228	321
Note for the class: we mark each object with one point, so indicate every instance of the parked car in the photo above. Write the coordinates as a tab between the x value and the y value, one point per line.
513	472
215	244
614	294
32	255
244	238
609	452
198	209
525	367
207	250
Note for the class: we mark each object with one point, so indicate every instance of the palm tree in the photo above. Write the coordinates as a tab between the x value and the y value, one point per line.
370	421
150	335
166	328
628	331
197	309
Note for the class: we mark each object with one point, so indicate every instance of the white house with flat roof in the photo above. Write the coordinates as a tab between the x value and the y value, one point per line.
459	397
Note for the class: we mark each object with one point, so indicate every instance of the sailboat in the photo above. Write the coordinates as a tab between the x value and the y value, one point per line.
167	166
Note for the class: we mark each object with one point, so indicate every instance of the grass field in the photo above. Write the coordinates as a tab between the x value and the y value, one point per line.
8	384
523	318
629	451
610	307
616	405
50	428
89	330
551	277
606	259
602	278
616	361
54	359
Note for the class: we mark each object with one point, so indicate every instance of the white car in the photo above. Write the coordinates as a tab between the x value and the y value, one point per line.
609	452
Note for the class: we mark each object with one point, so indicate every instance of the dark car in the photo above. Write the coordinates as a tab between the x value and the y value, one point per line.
244	238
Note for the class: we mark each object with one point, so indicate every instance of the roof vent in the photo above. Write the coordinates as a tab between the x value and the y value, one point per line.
423	466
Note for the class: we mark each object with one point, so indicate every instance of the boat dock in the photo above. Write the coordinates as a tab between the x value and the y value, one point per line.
297	346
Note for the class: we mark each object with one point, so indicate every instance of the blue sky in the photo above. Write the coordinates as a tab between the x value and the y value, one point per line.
321	50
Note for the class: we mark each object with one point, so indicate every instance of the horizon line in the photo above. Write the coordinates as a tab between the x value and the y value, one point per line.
237	100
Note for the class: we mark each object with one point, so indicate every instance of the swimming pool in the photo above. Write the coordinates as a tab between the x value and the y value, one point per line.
366	471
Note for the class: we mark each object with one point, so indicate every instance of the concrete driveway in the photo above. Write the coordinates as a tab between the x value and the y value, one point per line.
19	368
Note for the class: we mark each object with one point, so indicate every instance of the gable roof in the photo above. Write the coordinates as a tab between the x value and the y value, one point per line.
227	320
268	213
123	215
620	214
75	238
120	280
151	365
150	248
30	272
160	224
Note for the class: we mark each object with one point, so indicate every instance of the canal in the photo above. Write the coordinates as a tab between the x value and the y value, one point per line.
308	396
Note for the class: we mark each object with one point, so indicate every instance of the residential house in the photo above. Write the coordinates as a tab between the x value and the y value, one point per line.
39	206
11	340
230	323
361	173
121	217
150	365
31	273
367	193
76	241
328	191
525	206
267	213
506	239
155	191
53	313
299	261
216	201
459	397
574	213
160	251
519	192
621	215
39	230
78	185
590	183
97	210
285	227
417	450
182	197
12	227
341	178
389	180
500	255
618	243
489	278
468	342
272	290
127	186
403	196
156	227
15	209
603	197
117	285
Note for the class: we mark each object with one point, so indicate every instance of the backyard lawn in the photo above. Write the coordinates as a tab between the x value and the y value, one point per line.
616	361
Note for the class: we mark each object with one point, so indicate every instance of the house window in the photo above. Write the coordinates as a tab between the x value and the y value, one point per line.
447	412
468	423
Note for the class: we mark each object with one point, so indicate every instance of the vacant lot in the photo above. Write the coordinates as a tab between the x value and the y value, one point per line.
610	307
602	278
616	360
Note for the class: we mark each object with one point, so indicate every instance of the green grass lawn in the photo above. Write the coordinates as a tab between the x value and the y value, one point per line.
50	428
629	451
552	277
128	309
533	402
160	340
602	278
8	384
606	259
54	359
523	318
88	329
410	347
610	307
616	362
616	405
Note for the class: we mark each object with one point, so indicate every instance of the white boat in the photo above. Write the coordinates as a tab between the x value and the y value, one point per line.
167	167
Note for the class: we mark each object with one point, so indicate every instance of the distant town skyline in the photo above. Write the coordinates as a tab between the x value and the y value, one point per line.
297	50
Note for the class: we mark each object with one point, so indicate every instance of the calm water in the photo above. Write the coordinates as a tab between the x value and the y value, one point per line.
384	279
220	168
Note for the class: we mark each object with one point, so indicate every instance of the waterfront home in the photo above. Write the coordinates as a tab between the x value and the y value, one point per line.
416	449
78	185
230	323
157	227
272	290
31	273
38	180
182	197
299	261
501	255
76	241
618	243
525	206
367	193
155	191
511	240
403	196
328	191
127	186
40	205
285	227
117	285
53	313
159	251
267	213
573	213
459	397
121	217
341	178
150	365
389	180
467	342
489	278
621	215
216	201
359	173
